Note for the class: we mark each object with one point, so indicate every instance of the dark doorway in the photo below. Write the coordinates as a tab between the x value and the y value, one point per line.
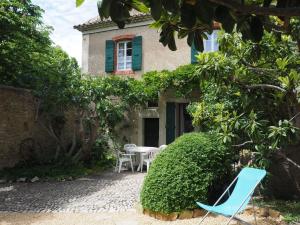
184	120
170	122
151	132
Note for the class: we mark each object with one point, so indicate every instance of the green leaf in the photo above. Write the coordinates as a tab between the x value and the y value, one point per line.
223	16
282	63
204	11
156	9
285	82
171	43
190	38
79	2
104	8
171	5
188	16
198	41
119	13
139	6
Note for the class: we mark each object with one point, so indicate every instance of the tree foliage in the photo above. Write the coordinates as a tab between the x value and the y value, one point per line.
28	59
252	102
195	18
25	42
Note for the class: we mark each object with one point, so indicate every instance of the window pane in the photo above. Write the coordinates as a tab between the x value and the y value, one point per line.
128	65
129	44
207	46
210	36
121	66
129	52
215	46
121	45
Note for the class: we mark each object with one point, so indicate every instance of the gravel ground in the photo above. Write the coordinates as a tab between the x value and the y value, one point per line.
108	192
121	218
106	199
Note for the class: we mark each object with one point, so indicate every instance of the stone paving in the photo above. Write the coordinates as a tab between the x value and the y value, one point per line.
106	199
108	192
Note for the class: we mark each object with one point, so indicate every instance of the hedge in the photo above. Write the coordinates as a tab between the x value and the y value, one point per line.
185	172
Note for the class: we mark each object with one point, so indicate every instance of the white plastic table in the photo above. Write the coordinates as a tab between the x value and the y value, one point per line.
142	149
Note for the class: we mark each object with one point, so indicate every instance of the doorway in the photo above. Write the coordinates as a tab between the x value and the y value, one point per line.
184	120
151	132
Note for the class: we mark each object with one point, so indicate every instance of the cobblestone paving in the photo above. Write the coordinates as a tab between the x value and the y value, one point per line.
108	192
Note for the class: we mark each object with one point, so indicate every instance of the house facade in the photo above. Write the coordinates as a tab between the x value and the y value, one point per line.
132	51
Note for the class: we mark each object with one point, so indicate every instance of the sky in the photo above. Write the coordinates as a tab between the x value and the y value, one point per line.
62	15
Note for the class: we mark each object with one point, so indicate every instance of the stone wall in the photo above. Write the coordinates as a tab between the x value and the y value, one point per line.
20	134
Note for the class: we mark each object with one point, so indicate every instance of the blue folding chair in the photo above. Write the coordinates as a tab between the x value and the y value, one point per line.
247	180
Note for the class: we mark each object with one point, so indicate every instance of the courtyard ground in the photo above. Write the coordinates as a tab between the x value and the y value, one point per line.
106	199
130	217
107	192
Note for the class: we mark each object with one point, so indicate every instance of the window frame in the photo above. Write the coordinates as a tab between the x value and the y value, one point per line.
117	39
124	55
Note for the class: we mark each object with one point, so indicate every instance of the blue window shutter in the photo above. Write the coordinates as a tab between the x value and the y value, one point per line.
194	52
137	53
109	55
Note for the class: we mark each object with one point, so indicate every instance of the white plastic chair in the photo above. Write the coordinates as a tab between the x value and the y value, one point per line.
162	147
123	158
127	147
148	158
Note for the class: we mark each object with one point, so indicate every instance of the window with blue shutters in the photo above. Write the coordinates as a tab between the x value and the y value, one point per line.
210	45
123	55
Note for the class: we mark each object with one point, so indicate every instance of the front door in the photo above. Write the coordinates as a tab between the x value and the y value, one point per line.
151	132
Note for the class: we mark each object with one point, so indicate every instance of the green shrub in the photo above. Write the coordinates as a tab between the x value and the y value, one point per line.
184	172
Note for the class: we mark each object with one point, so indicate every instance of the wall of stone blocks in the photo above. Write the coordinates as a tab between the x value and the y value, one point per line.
18	126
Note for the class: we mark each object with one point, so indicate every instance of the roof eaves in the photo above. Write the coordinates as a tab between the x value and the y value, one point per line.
105	24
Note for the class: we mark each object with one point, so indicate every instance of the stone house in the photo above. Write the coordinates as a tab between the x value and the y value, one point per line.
132	51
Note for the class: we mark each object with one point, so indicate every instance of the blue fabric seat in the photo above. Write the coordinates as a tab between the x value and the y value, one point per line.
246	182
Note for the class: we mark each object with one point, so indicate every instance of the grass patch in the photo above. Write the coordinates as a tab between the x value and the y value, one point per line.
53	172
290	209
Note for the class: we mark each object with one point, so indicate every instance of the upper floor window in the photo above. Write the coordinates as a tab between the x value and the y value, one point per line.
210	45
124	55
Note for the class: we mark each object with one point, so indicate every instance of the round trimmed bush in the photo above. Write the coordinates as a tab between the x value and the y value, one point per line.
185	172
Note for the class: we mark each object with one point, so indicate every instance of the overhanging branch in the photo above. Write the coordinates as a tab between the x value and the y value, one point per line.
265	86
243	144
258	10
